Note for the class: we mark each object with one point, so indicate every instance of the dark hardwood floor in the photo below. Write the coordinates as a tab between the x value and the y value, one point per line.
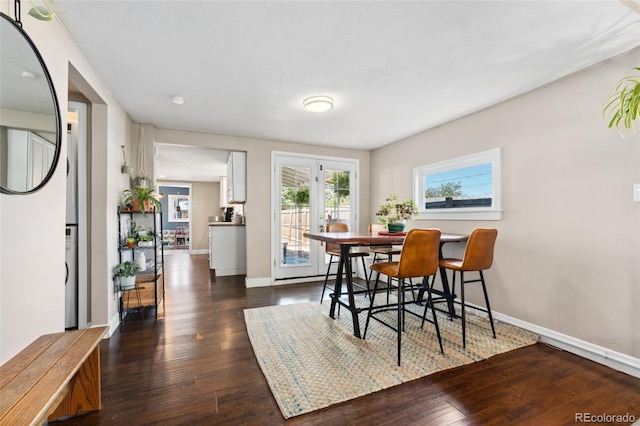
196	366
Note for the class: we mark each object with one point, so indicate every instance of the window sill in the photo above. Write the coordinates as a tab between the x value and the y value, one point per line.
461	214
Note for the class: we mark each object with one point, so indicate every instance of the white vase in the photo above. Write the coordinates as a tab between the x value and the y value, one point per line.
141	260
127	283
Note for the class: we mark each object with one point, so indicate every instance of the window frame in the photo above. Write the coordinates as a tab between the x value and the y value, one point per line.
491	156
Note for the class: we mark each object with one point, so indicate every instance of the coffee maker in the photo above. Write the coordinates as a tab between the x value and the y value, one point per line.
228	214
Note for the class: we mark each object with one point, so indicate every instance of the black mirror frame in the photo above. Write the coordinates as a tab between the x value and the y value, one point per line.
56	108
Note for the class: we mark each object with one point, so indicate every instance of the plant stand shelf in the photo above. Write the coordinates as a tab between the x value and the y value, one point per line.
149	289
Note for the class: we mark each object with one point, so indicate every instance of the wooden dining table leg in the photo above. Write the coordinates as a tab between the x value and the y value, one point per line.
445	286
446	290
345	265
344	255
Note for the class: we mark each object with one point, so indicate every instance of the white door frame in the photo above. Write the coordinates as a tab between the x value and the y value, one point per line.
316	217
180	185
82	217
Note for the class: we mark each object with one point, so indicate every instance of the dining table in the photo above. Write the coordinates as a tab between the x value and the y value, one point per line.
347	240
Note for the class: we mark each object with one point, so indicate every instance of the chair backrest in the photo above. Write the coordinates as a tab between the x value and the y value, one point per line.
420	253
335	227
374	228
478	255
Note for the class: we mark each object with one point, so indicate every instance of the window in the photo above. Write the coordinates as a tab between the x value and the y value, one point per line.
463	188
178	208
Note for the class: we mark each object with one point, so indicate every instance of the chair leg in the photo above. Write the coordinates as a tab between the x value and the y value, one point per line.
463	308
429	288
452	295
400	315
364	269
326	278
372	298
375	258
402	288
486	300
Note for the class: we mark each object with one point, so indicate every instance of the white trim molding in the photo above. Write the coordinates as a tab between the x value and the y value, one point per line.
616	360
490	156
257	282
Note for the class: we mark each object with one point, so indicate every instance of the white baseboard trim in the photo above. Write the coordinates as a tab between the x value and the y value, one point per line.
267	282
616	360
201	251
257	282
113	325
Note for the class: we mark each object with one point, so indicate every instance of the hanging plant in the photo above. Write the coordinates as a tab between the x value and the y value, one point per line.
624	104
141	180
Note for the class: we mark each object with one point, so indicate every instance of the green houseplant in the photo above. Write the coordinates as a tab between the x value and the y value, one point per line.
146	240
394	212
126	271
141	199
624	104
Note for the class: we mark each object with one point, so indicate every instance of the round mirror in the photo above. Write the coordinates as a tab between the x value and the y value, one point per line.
30	134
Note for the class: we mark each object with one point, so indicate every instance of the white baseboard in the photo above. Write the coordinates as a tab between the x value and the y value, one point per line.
200	251
616	360
113	325
257	282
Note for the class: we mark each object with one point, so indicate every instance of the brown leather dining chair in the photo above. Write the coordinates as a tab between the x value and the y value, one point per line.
418	258
478	256
333	250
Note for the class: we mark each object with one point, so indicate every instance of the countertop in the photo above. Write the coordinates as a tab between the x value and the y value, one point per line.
225	224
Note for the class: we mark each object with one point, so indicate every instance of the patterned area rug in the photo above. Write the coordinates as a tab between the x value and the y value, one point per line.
312	361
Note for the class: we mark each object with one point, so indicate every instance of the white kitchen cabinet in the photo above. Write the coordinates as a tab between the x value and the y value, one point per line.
224	200
29	158
228	249
237	177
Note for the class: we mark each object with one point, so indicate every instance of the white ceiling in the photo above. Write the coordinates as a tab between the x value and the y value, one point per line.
394	68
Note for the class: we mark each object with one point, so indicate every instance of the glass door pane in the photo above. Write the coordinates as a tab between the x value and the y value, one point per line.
337	196
338	199
308	193
295	214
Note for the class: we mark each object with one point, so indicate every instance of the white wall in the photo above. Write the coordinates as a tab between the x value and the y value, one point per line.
205	199
32	243
568	249
258	206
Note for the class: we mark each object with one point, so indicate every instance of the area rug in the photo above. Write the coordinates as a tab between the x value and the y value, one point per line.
312	361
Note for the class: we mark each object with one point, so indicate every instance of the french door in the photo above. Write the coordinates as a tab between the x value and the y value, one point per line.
307	193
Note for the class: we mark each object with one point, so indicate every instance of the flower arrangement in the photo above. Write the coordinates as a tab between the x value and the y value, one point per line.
394	210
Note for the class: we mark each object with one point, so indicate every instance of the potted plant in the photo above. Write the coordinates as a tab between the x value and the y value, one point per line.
394	213
141	199
146	240
126	271
133	234
624	104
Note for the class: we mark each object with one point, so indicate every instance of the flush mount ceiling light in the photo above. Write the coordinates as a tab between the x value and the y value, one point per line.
178	100
318	103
